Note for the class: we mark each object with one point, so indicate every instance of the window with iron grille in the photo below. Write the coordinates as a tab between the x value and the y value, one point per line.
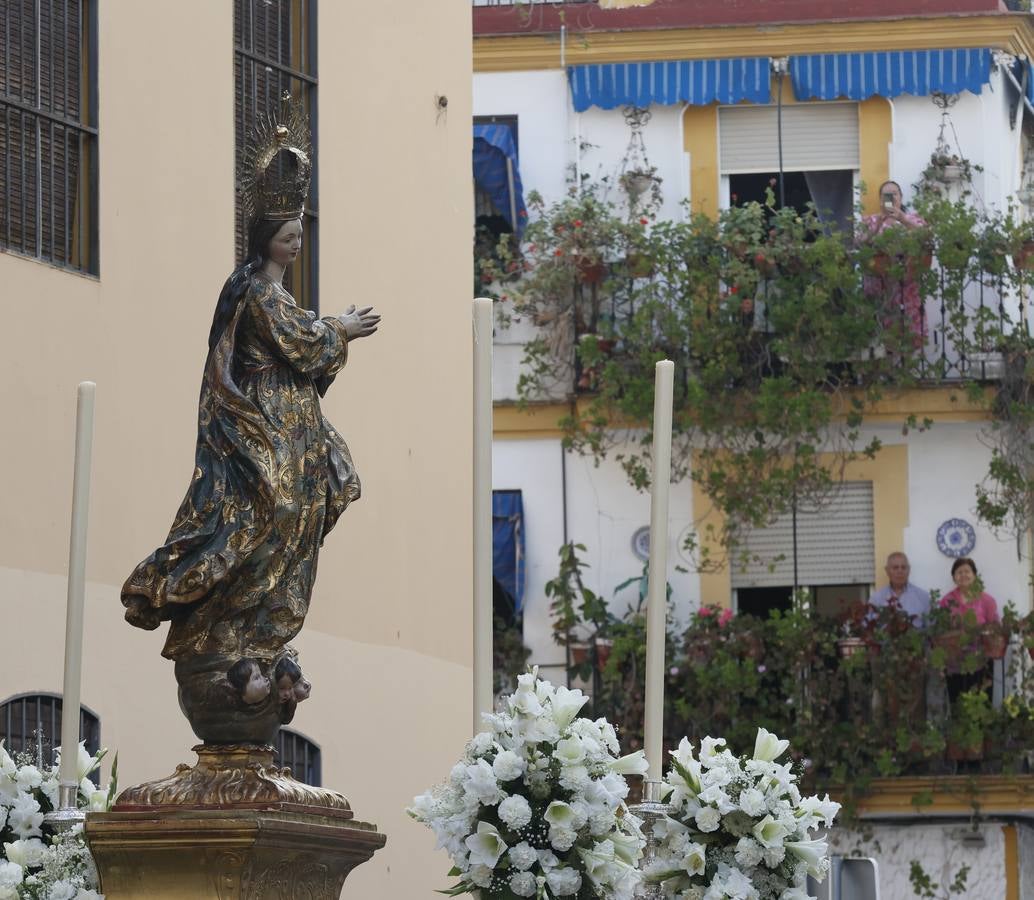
31	723
48	133
297	753
275	51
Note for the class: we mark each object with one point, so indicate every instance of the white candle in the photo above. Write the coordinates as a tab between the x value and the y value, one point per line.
483	693
657	593
68	774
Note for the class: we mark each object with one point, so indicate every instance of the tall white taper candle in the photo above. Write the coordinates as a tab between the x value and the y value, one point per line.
68	774
657	591
482	509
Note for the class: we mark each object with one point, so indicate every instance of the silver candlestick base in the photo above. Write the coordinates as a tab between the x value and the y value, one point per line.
650	809
67	815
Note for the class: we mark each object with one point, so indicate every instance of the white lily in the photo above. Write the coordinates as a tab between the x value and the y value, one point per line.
565	705
812	854
630	764
770	833
768	747
486	845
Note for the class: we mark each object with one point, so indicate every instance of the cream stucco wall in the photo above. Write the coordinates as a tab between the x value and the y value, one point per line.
387	643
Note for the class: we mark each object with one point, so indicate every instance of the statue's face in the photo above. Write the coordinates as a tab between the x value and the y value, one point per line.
286	244
257	688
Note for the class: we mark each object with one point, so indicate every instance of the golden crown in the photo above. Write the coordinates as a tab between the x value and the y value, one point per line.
274	175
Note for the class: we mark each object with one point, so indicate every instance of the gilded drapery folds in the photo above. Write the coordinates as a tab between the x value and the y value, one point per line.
271	478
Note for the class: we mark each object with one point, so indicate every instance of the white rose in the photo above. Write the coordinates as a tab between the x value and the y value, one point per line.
508	766
752	802
570	751
10	874
24	818
28	778
481	782
515	812
523	884
28	854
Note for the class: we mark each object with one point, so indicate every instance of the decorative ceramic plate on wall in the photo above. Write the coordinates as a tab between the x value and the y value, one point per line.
641	543
956	538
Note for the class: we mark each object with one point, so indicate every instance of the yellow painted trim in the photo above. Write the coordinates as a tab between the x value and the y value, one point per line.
1013	33
949	795
942	404
1012	862
875	133
700	141
888	473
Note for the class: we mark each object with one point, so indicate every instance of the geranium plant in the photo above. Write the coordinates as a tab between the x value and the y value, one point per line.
536	806
739	826
37	863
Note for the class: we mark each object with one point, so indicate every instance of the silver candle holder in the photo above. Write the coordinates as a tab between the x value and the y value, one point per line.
67	815
651	809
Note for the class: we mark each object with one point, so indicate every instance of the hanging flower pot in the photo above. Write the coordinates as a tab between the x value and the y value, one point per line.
951	173
603	648
579	653
1023	256
637	183
590	271
639	265
849	646
994	642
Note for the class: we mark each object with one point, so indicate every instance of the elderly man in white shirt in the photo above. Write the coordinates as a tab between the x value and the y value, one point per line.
910	598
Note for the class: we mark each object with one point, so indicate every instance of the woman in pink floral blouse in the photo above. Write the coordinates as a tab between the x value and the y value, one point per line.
968	595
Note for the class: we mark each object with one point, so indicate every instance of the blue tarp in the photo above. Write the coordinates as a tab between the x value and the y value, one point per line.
858	76
493	146
508	543
697	82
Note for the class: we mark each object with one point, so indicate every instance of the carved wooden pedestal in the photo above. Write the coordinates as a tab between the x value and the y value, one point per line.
232	827
244	854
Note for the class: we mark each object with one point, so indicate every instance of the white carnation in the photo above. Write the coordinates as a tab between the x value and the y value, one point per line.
523	856
62	890
29	778
564	882
748	852
523	884
480	875
508	766
515	811
708	819
562	839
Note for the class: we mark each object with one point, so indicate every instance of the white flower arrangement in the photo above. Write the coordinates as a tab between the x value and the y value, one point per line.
35	863
738	827
536	807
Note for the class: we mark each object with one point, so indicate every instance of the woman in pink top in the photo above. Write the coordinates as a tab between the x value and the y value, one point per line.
968	595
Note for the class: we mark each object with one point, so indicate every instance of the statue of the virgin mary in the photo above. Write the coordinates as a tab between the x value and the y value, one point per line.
271	474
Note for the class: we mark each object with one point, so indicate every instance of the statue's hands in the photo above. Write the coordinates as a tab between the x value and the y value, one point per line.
359	322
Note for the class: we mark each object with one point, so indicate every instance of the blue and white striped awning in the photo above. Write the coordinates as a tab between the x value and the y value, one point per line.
858	76
697	82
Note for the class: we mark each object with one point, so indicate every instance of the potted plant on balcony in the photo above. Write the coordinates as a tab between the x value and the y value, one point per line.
971	716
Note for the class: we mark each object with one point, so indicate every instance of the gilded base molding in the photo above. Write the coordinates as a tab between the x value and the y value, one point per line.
243	854
238	776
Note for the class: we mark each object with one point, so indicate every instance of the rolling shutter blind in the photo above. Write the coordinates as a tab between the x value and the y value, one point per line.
834	545
816	136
